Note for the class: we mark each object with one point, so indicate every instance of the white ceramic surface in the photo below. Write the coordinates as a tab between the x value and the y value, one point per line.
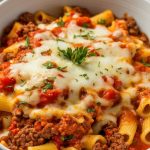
139	9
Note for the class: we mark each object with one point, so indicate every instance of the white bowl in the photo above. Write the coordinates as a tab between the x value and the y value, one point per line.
139	9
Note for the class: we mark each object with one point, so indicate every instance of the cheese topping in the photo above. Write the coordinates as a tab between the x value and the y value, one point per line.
112	61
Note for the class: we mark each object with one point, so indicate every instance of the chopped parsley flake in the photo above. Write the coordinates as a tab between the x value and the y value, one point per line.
85	76
48	65
27	42
60	22
90	110
47	86
106	69
88	35
67	138
85	25
102	21
61	68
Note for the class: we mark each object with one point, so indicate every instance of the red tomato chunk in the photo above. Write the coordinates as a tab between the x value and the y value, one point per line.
7	84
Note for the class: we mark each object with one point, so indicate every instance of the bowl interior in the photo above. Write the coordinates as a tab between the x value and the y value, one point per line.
139	9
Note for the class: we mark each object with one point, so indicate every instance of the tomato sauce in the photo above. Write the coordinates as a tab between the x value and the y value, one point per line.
138	144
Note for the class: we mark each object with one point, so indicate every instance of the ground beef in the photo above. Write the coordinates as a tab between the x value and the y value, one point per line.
134	30
82	11
26	132
115	140
30	27
26	17
100	146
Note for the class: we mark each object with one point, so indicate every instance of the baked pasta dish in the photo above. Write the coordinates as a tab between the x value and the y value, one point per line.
77	82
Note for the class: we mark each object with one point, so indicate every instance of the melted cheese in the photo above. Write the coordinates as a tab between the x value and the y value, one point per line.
113	61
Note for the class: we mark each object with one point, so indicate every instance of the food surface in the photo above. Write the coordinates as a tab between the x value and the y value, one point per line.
77	82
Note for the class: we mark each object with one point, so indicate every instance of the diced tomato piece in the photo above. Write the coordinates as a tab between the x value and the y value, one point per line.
50	96
84	22
56	31
7	84
117	83
111	95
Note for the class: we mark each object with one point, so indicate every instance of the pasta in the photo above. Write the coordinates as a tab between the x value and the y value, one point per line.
128	126
6	104
145	135
105	18
144	107
17	27
42	17
49	146
76	82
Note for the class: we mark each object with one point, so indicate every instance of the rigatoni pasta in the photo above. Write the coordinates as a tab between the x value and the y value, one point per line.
128	126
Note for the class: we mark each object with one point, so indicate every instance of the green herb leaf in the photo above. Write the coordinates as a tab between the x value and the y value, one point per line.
102	21
91	54
67	138
77	56
85	25
89	110
48	65
27	42
61	68
47	86
87	35
60	22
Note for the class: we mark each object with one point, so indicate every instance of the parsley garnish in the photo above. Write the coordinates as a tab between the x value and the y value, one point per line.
87	35
67	138
77	56
47	86
60	22
89	110
85	25
27	42
48	65
92	54
102	21
61	68
85	76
